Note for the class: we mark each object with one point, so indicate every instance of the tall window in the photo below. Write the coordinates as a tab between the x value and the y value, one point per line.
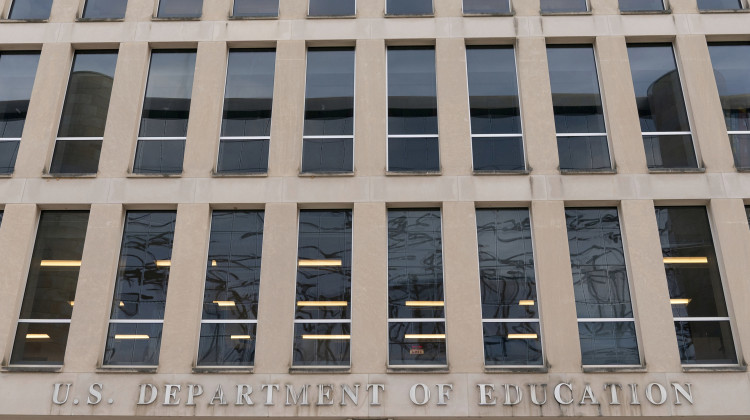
507	283
246	123
180	9
322	324
166	108
230	301
412	110
719	4
641	5
17	71
701	319
105	9
135	324
1	216
84	115
486	7
50	289
30	9
255	8
606	324
747	210
496	139
328	141
579	115
731	66
332	8
408	7
564	6
416	307
661	107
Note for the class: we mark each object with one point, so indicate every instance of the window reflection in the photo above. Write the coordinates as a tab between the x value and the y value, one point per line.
719	4
332	8
30	9
486	7
105	9
256	8
17	72
180	8
641	5
563	6
408	7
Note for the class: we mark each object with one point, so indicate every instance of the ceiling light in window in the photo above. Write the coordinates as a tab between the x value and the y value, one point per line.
122	304
679	301
131	337
213	263
72	303
60	263
319	263
322	303
425	303
685	260
523	336
526	303
163	263
224	303
241	337
326	337
424	336
37	336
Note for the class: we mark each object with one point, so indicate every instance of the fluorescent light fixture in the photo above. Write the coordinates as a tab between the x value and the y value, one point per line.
241	337
213	263
122	304
326	337
526	303
224	303
523	336
131	337
685	260
60	263
425	303
319	263
424	336
163	263
679	301
72	302
322	303
37	336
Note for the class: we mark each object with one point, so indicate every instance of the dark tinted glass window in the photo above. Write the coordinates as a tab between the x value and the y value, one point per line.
563	6
486	6
30	9
17	71
1	217
702	323
408	7
719	4
332	8
606	322
180	8
140	289
641	5
256	8
747	210
105	9
50	289
232	287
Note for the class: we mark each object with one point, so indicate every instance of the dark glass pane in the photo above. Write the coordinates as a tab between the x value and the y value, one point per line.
87	100
741	150
40	344
486	6
575	89
76	157
562	6
133	344
705	342
415	264
416	343
493	90
1	217
332	8
8	153
670	151
409	7
413	154
327	155
243	156
608	343
321	344
512	343
658	92
105	9
583	153
498	153
180	8
248	96
227	345
329	92
256	8
17	72
747	210
170	85
143	270
159	156
641	5
233	265
412	90
719	4
30	9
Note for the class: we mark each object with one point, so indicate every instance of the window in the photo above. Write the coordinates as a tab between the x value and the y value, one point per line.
50	289
731	65
606	324
166	107
701	319
507	283
486	7
416	313
579	115
496	139
332	8
17	71
408	7
135	325
84	115
641	5
661	107
246	123
322	321
256	8
747	210
719	4
563	6
30	9
412	110
230	301
105	9
328	141
1	217
180	9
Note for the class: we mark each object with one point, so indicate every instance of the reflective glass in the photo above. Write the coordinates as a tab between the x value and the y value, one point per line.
408	7
159	156
8	153
332	8
248	96
512	343
641	5
40	343
321	344
583	153
17	71
719	4
86	105
167	103
76	157
180	8
324	155
747	210
486	7
243	156
670	151
741	149
417	343
705	342
493	90
498	154
224	344
608	343
563	6
413	154
412	90
256	8
133	344
1	217
105	9
329	92
30	9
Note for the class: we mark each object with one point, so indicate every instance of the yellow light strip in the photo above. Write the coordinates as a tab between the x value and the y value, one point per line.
213	263
37	336
526	303
122	304
322	303
685	260
424	336
60	263
523	336
223	303
163	263
241	337
72	303
319	263
425	303
679	301
326	337
131	337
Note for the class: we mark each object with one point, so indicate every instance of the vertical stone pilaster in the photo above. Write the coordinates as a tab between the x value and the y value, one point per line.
453	114
285	151
370	108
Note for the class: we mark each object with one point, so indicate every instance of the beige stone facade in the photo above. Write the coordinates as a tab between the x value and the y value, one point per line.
370	191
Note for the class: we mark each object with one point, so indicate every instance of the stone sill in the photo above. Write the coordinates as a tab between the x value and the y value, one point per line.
31	368
316	370
391	15
175	19
511	14
677	170
133	175
608	171
354	16
414	173
126	369
502	172
418	369
613	369
743	170
517	369
711	12
254	17
10	175
325	174
67	176
24	20
646	12
586	13
239	174
714	368
82	19
223	369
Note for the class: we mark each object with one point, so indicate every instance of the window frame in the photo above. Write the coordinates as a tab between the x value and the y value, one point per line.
10	10
309	16
18	140
82	11
387	14
232	16
157	8
744	5
587	11
510	12
665	9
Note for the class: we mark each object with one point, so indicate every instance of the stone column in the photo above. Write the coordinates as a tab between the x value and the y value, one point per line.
453	114
370	108
64	11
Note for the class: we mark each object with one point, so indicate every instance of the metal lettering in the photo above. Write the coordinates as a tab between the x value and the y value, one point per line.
614	400
485	395
532	388
302	396
634	394
96	393
375	394
352	394
444	393
170	393
269	392
56	394
142	396
193	391
588	393
425	394
218	395
558	396
324	394
243	393
519	394
650	393
678	389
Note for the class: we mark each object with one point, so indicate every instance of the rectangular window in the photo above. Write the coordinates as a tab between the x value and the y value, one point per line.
641	5
166	108
105	9
328	142
17	72
322	8
701	318
719	4
416	307
135	325
180	9
322	322
507	284
1	217
496	137
412	110
246	122
49	298
661	107
486	7
731	62
579	115
30	9
84	115
255	8
408	7
563	6
606	324
230	301
747	210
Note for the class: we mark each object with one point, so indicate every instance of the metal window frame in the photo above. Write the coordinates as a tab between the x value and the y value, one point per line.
13	3
157	9
232	15
387	2
510	11
330	16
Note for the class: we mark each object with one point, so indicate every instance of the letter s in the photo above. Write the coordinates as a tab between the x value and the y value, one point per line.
96	393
